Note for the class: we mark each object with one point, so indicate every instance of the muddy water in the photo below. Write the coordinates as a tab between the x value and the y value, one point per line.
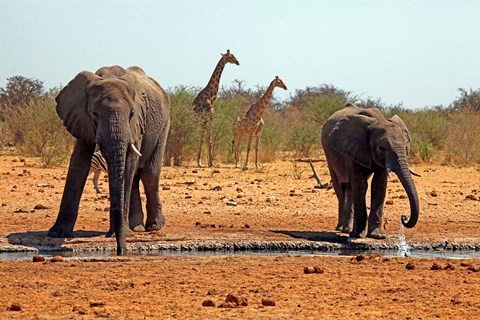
387	253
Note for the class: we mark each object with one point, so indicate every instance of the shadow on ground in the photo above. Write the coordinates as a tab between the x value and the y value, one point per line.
40	240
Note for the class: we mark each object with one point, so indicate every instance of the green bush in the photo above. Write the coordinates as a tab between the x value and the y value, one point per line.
184	133
36	130
303	139
421	149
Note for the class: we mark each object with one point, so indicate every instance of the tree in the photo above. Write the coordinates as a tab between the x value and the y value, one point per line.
468	101
20	90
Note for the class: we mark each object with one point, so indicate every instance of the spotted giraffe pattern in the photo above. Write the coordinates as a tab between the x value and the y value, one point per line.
203	105
252	123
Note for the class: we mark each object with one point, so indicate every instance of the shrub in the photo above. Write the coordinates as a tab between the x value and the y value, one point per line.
303	138
38	131
184	133
462	143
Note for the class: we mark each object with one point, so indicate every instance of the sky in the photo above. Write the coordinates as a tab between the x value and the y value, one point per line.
417	53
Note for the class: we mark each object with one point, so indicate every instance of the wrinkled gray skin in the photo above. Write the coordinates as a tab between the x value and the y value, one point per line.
115	108
358	143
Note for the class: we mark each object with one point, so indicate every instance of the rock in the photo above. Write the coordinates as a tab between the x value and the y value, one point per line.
268	302
473	269
433	193
389	202
208	303
217	188
314	269
472	197
449	266
271	198
166	188
231	203
360	257
236	299
56	259
15	307
228	305
466	264
212	292
38	258
216	171
80	310
410	266
436	266
97	303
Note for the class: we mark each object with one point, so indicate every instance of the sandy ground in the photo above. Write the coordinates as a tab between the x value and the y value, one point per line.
195	205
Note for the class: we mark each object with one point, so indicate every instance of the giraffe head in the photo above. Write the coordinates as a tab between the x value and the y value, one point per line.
279	83
230	58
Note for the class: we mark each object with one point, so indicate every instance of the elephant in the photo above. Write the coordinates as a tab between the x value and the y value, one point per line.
359	142
126	114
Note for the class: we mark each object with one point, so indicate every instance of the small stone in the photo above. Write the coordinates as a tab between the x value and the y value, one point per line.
270	198
237	299
212	292
98	209
194	171
56	259
268	302
208	303
97	303
80	310
38	258
389	202
308	270
216	171
15	307
410	266
231	203
360	257
166	188
228	305
246	226
473	269
449	266
436	266
472	197
217	188
197	223
319	270
433	193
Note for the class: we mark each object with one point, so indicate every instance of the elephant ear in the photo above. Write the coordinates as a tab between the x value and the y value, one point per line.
139	94
350	137
72	107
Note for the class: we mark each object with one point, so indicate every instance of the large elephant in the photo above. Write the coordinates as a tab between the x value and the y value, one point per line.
358	143
126	114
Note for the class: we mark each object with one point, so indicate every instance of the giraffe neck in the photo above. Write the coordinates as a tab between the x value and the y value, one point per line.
214	81
265	99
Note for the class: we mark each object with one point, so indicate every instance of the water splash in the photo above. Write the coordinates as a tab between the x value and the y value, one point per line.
403	247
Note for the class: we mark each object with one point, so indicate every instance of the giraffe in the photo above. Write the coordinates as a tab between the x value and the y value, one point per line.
252	123
203	105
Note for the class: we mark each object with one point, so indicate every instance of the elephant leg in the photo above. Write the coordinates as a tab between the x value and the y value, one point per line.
339	192
76	177
136	216
359	191
150	177
249	146
348	211
378	193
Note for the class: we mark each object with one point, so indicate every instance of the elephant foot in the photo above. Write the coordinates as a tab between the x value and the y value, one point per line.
111	233
377	233
57	232
139	228
155	224
355	234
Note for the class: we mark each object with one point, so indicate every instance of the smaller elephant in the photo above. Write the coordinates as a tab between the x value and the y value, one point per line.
360	142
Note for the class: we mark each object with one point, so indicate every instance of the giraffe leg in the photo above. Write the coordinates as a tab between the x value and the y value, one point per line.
237	141
257	141
210	148
199	157
249	145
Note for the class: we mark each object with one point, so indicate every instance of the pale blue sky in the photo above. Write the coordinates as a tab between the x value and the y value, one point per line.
415	52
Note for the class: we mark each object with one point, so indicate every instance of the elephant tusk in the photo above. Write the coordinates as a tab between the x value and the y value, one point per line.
135	150
414	173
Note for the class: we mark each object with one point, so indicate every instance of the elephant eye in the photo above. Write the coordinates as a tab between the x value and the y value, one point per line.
95	115
131	114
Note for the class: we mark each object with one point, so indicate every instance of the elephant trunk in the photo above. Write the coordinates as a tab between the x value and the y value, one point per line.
116	175
402	170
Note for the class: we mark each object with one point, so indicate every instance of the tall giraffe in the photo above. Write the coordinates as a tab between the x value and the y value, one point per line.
203	105
252	123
